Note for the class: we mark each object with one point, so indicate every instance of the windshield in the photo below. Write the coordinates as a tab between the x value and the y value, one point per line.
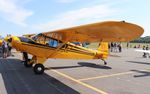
27	40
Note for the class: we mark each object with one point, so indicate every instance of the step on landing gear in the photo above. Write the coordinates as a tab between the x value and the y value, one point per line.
27	61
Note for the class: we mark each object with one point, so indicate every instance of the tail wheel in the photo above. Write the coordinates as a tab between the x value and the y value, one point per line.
38	69
27	64
105	63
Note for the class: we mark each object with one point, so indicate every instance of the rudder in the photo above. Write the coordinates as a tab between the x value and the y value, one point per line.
103	48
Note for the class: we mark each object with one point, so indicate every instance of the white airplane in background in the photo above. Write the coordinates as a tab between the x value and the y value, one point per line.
146	52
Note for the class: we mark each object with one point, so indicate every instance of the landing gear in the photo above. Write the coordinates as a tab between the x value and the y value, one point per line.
105	63
27	62
38	69
144	56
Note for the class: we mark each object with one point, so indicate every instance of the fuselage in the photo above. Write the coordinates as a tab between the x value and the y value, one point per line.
62	50
1	41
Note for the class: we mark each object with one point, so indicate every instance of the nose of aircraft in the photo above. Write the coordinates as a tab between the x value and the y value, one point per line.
13	40
8	39
1	42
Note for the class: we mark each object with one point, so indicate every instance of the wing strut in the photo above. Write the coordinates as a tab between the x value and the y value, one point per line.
57	50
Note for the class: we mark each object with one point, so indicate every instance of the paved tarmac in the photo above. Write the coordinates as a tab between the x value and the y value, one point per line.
126	73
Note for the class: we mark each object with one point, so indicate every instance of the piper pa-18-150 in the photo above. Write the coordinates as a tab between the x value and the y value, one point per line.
1	42
59	43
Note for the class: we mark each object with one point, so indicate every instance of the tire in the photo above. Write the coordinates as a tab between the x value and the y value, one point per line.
38	69
26	64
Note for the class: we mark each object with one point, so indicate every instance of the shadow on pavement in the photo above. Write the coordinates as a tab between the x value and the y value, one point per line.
92	65
62	67
143	73
81	64
20	80
137	62
1	52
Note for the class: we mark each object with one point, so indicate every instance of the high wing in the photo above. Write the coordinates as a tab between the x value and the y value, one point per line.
29	35
144	51
109	31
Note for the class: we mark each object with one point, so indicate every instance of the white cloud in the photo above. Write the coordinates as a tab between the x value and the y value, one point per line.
66	1
13	12
102	1
77	17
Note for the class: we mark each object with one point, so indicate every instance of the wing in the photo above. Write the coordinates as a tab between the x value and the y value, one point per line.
144	51
29	35
109	31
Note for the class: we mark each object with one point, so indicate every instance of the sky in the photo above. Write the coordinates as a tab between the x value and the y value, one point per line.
19	17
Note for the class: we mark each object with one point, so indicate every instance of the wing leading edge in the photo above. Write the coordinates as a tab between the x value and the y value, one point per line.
109	31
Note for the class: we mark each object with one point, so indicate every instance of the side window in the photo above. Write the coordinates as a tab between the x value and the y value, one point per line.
50	43
53	43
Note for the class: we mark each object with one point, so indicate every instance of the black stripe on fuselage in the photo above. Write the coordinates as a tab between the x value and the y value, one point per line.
77	49
66	47
39	46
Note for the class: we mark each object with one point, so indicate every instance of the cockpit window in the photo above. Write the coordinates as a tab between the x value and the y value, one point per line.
42	40
27	40
53	43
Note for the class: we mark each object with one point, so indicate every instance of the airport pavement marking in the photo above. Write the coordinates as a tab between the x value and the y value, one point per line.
79	82
147	70
105	76
111	75
2	85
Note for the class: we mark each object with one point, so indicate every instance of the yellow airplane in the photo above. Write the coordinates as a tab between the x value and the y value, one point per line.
1	41
59	43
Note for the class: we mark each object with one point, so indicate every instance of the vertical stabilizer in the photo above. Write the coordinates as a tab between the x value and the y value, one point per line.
103	49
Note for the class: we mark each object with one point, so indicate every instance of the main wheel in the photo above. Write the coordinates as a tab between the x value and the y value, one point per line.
38	69
26	64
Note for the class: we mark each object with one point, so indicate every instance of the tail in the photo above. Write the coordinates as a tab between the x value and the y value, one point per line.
103	50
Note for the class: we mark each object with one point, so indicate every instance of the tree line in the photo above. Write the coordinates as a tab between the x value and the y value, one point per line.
142	40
